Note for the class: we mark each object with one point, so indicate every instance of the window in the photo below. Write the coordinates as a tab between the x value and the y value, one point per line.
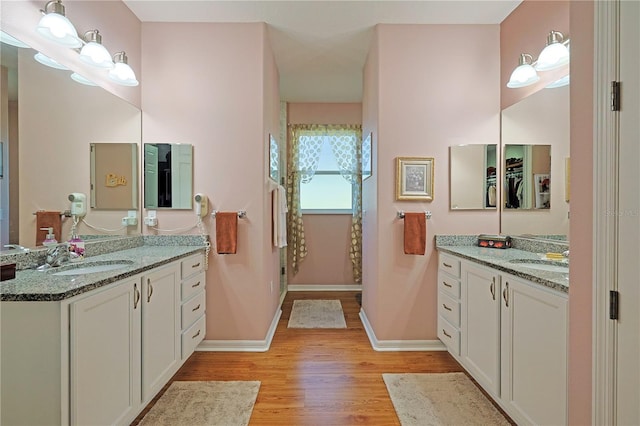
328	191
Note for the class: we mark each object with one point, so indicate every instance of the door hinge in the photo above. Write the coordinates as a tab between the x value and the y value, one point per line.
282	271
615	96
613	304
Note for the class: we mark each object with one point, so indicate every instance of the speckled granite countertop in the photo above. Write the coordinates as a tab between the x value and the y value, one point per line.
500	259
32	285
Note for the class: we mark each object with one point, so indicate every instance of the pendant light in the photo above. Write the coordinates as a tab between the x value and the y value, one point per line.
122	73
55	26
555	54
94	53
524	74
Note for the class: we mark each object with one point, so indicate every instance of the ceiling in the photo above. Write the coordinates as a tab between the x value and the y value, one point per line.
320	47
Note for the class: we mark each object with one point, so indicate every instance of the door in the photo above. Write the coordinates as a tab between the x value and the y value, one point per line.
150	176
181	176
627	371
480	346
105	356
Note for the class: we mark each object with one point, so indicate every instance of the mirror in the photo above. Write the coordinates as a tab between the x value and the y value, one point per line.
50	122
473	183
114	176
168	175
535	143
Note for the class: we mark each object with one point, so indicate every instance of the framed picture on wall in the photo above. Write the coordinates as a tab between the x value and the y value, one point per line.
366	157
414	178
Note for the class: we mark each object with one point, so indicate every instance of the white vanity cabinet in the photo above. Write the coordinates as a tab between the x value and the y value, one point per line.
513	340
193	304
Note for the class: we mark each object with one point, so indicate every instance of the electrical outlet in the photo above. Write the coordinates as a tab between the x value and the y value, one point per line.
151	221
129	221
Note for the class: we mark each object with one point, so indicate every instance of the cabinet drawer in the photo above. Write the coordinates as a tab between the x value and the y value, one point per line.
192	309
192	285
449	335
192	265
450	265
449	285
192	337
449	309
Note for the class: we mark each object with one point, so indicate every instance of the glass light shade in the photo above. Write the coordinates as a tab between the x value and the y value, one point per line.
82	80
96	54
122	73
45	60
6	38
553	56
57	27
564	81
524	74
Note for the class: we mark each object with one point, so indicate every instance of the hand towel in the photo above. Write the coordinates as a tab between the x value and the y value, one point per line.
48	219
227	232
415	233
280	217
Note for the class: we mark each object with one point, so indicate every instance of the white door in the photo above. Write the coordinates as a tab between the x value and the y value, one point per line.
480	346
150	176
105	356
627	389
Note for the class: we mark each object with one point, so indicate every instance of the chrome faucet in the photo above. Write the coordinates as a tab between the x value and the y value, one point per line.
17	247
57	255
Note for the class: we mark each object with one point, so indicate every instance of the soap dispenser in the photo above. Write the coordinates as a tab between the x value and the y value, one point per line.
50	239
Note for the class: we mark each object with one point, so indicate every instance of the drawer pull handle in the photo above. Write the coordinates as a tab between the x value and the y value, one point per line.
196	285
195	265
196	335
446	334
446	284
196	308
446	307
446	264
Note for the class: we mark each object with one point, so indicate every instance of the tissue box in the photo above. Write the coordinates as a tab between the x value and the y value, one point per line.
494	241
8	272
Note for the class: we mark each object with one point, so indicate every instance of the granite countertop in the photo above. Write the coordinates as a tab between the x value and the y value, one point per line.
500	259
33	285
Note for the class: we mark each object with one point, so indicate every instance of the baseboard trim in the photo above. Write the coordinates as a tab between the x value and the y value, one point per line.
398	345
324	287
242	345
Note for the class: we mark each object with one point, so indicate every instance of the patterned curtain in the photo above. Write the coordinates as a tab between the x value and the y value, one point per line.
304	156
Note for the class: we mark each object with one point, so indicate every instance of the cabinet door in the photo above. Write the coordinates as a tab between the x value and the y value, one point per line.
480	327
534	353
105	355
160	329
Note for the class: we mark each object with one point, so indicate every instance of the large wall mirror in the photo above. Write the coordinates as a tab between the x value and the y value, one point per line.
168	175
535	143
473	184
48	124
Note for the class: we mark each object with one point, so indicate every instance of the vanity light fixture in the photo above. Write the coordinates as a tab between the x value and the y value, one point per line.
6	38
559	83
94	53
82	80
57	27
555	54
524	74
122	73
45	60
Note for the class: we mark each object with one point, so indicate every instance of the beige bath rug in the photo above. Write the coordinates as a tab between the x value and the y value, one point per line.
317	314
204	404
440	399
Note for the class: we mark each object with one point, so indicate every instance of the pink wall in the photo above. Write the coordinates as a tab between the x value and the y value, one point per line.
220	96
119	27
327	236
422	109
525	30
581	227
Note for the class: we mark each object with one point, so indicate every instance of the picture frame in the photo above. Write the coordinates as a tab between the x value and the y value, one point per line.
414	178
367	169
274	160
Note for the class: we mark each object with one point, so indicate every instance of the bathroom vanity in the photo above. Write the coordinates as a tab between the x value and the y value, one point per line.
96	348
503	315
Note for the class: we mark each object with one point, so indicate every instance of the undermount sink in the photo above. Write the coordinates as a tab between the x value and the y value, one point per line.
542	265
91	267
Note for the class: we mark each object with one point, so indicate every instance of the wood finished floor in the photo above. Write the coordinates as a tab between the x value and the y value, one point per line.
317	376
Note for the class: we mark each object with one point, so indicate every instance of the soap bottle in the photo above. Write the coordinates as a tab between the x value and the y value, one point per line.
50	239
76	247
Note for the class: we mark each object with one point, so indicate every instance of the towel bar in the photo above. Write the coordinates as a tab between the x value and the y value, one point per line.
427	213
241	214
66	213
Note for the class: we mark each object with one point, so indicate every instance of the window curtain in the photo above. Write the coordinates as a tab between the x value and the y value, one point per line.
304	155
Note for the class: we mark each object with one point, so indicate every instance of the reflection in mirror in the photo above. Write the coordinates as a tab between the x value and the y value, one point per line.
273	158
473	177
535	139
168	175
114	176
